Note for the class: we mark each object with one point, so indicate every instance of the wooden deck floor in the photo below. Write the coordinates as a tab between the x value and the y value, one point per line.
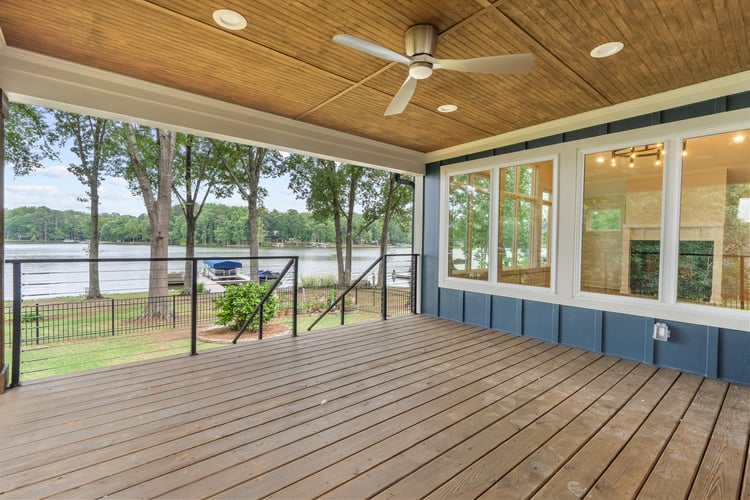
407	408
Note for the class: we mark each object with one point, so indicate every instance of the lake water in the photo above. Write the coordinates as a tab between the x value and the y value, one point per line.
68	279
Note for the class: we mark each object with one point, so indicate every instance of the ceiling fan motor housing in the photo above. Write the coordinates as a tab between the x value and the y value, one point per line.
421	39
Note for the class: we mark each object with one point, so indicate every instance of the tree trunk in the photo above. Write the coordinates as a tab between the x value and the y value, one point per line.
254	168
350	228
252	230
187	288
189	213
158	205
339	249
387	212
94	290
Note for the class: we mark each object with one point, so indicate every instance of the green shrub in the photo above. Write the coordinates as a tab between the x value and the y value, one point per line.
239	301
29	317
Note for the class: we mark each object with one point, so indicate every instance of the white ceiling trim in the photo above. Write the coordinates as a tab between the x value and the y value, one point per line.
732	84
32	78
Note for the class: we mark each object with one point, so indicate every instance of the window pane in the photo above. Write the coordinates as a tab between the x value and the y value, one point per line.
525	212
622	194
509	176
525	184
714	260
468	244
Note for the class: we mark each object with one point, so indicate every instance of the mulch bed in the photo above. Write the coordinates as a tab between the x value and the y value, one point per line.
223	335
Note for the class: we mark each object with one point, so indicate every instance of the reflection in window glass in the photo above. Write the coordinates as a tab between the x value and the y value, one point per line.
468	219
525	211
622	197
714	260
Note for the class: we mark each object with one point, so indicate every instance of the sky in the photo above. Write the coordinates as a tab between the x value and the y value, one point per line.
54	187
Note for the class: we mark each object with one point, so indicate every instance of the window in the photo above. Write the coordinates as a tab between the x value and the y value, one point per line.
622	198
525	208
621	248
714	248
469	219
520	199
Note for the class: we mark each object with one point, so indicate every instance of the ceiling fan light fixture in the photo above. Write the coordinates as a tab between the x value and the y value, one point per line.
230	19
447	108
420	70
607	49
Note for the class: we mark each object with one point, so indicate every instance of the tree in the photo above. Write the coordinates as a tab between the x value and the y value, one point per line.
151	153
396	200
332	190
242	166
28	139
97	149
194	179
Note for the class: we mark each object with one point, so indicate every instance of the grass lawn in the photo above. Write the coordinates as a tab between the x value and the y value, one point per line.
58	358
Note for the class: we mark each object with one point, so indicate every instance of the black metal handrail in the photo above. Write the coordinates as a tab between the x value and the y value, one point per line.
16	334
292	262
384	288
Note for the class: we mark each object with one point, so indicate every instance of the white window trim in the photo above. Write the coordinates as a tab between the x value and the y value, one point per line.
492	286
568	184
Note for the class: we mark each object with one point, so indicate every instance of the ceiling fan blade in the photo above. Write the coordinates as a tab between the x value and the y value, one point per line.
370	48
506	64
402	97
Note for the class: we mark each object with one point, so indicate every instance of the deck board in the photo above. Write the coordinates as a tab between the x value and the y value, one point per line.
406	408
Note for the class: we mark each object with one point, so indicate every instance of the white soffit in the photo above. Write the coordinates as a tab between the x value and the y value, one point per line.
32	78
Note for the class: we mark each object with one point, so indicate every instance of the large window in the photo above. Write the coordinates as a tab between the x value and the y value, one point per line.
622	198
469	219
525	208
622	252
520	199
714	250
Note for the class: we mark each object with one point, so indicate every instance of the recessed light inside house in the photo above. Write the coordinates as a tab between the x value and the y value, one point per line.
738	139
230	19
607	49
447	108
599	159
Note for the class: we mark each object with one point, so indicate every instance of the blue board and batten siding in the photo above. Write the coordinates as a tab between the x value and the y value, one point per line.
706	350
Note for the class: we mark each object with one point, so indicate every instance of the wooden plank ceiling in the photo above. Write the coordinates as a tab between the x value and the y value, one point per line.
285	62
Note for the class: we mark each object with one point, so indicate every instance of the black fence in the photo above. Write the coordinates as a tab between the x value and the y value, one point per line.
43	323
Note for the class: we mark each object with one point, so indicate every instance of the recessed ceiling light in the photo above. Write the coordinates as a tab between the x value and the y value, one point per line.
447	108
738	139
230	19
599	159
607	49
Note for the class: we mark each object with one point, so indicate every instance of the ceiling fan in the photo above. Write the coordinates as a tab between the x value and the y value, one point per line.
421	41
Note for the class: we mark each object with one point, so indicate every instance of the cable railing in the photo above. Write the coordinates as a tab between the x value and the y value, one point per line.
68	333
405	273
52	329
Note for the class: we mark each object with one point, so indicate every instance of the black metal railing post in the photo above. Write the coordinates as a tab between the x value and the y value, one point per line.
413	284
294	296
113	317
194	309
343	307
36	322
384	289
15	371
